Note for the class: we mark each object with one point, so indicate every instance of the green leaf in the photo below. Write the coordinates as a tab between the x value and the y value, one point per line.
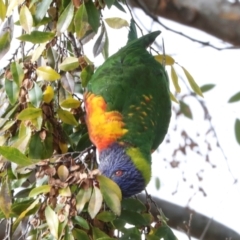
64	229
132	34
65	18
165	232
37	37
4	138
23	138
157	183
70	103
105	50
41	145
52	56
47	73
37	123
68	82
164	59
116	22
25	213
98	234
119	224
107	183
106	216
82	198
174	77
133	218
25	18
5	198
86	75
152	237
11	111
5	40
39	190
109	3
48	94
173	98
185	109
237	130
23	130
93	15
235	98
81	222
131	233
67	117
5	124
3	10
12	4
80	234
207	87
119	6
38	52
17	73
81	21
18	207
111	193
45	21
99	44
65	192
95	202
52	221
29	113
192	83
14	155
35	95
12	90
148	217
83	143
69	64
133	205
41	10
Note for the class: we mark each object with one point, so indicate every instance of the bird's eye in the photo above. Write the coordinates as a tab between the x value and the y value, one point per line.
119	173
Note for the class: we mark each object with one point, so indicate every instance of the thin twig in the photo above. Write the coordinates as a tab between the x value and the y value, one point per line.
188	226
76	49
209	118
8	229
130	11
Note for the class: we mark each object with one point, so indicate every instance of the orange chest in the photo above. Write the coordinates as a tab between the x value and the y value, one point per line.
104	127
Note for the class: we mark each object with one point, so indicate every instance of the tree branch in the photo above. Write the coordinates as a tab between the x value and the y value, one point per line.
178	216
216	17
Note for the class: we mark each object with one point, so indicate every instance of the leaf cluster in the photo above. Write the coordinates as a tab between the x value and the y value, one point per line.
47	160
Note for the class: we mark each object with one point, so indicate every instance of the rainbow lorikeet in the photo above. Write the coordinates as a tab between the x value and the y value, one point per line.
128	110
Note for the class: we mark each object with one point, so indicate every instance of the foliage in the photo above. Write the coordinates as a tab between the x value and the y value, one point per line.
47	159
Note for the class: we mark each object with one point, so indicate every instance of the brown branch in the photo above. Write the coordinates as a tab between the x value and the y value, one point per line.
218	18
178	215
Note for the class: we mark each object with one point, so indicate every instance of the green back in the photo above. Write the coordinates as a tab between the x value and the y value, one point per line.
126	80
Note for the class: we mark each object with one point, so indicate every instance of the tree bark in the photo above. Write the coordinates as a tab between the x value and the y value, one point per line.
219	18
178	215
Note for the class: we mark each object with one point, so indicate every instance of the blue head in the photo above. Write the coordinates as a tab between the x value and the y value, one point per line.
117	165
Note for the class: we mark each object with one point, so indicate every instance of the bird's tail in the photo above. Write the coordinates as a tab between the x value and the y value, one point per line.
144	41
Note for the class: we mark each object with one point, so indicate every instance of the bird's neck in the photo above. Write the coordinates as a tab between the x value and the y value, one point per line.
141	161
138	157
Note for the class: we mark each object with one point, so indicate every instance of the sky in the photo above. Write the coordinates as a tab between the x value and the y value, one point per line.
206	65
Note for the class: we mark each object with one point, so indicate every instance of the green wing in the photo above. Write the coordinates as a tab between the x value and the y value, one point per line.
133	83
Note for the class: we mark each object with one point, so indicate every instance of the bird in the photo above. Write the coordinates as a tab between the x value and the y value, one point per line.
128	110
